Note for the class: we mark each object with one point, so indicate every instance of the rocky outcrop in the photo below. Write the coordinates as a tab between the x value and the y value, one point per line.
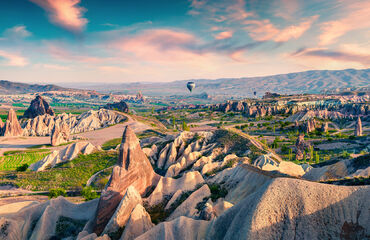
118	106
138	223
168	186
310	126
263	214
180	228
38	107
358	127
342	169
64	155
60	134
46	220
300	145
188	207
133	169
88	121
325	127
267	163
11	127
123	211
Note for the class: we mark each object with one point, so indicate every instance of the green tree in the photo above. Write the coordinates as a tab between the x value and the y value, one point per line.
273	129
311	153
152	110
56	192
290	154
317	157
304	157
185	126
88	193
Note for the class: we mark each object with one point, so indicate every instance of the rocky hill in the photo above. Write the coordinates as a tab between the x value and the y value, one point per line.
8	87
301	82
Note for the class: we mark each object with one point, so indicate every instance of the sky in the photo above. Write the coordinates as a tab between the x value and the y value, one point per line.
119	41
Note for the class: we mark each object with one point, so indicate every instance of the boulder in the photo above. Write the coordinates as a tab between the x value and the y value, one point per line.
138	223
38	107
12	127
64	155
133	169
123	211
60	135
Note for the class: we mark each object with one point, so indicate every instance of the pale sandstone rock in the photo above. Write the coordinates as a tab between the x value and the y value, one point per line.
181	228
123	211
60	134
11	128
168	186
138	223
188	207
64	155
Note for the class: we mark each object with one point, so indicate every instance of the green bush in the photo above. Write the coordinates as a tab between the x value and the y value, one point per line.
56	192
22	168
88	193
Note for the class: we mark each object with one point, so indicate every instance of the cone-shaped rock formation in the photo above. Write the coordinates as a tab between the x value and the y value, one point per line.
133	169
12	126
38	107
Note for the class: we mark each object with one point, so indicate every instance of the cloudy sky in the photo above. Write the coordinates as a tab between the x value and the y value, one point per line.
49	41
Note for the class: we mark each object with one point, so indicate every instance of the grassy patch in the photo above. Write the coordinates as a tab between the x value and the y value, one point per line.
69	176
217	191
12	160
111	143
67	227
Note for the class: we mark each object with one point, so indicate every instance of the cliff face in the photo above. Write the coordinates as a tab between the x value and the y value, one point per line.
38	107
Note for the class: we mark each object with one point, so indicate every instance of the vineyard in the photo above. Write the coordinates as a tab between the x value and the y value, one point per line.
16	159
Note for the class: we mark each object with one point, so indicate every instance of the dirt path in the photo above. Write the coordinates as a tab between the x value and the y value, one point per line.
100	136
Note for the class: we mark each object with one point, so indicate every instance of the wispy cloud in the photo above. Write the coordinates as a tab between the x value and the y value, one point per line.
65	13
12	59
355	16
265	30
325	54
17	32
224	35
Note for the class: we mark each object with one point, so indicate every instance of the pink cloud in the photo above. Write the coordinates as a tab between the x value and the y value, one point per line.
64	54
12	59
220	11
17	32
64	13
158	45
224	35
264	30
345	54
356	16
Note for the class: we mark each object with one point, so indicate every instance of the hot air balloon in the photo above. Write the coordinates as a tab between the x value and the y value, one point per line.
190	86
255	93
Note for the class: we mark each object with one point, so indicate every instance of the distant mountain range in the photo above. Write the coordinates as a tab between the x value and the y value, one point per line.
301	82
8	87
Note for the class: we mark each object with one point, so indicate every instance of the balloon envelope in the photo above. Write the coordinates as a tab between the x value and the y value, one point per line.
255	93
190	86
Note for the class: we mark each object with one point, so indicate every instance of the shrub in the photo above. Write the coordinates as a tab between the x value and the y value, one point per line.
56	192
217	191
22	168
88	193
